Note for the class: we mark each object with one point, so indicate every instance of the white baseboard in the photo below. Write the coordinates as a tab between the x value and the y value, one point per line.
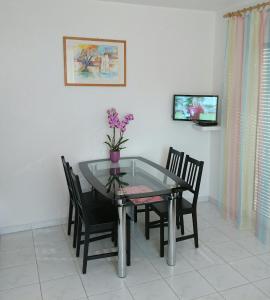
17	228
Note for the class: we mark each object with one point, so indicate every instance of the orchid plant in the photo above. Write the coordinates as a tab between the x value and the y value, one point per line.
116	141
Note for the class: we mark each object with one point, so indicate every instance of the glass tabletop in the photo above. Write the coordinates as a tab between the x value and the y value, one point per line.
131	178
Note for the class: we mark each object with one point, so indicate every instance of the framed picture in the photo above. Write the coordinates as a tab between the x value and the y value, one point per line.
94	62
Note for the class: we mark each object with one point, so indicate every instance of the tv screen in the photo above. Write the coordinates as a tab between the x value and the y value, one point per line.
191	108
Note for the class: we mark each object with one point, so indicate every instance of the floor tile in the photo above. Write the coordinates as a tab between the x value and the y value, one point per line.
48	235
230	251
18	257
155	290
122	294
246	292
136	253
186	245
202	223
67	288
53	269
149	248
201	257
184	285
140	272
212	235
264	285
101	277
265	258
220	223
101	246
30	292
224	254
57	251
252	268
235	234
211	297
18	276
182	266
14	241
253	245
222	277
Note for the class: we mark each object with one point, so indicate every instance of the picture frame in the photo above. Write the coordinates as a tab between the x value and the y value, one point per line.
94	62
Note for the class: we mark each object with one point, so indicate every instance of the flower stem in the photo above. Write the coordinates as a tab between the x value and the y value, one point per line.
113	137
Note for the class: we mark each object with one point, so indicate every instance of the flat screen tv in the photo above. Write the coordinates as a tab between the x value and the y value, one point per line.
195	108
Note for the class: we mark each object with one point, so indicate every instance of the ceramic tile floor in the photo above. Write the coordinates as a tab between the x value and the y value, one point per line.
230	264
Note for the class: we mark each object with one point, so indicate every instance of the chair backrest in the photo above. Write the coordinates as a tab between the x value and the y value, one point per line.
76	192
192	174
66	170
175	161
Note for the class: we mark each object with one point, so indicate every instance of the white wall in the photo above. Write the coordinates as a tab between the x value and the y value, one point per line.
216	162
168	51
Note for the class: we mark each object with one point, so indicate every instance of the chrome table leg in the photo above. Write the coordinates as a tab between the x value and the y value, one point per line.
122	256
171	258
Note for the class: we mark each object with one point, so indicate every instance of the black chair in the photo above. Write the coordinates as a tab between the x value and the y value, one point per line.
97	219
72	214
72	206
174	164
71	203
192	174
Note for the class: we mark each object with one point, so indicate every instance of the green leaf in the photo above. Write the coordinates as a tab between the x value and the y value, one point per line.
107	143
122	142
109	138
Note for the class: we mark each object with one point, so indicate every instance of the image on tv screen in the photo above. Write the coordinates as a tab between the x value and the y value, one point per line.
195	108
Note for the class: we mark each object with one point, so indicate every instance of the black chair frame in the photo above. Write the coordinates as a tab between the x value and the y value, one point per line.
107	229
72	205
192	174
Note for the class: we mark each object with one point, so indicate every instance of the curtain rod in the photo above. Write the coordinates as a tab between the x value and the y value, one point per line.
243	11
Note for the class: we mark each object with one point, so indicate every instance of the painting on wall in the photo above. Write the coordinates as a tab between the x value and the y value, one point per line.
94	62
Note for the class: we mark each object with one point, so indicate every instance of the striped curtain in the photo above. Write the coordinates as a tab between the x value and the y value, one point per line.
262	171
244	119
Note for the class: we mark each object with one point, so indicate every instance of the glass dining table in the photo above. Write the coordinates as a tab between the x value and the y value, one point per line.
131	179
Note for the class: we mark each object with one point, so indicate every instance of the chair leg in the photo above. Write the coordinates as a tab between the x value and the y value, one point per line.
79	236
161	237
178	222
146	223
195	229
85	251
135	214
128	242
75	228
70	214
182	224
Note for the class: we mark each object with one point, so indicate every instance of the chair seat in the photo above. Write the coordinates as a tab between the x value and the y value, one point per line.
161	208
137	189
